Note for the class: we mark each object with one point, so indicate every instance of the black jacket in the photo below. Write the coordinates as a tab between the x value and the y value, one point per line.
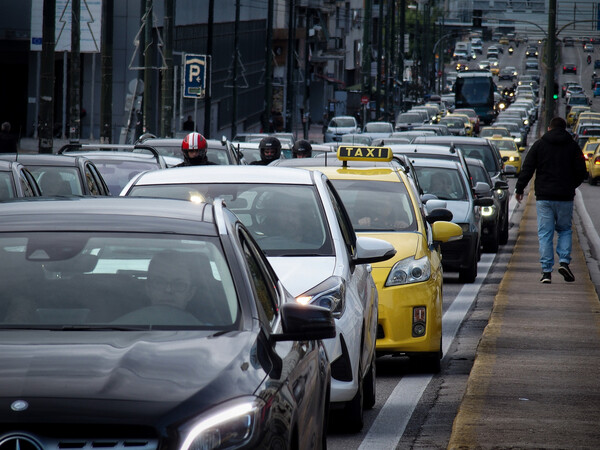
558	164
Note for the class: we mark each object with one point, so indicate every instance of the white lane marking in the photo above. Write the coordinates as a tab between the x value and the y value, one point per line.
389	426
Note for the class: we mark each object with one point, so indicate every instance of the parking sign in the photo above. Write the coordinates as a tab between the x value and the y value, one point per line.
194	76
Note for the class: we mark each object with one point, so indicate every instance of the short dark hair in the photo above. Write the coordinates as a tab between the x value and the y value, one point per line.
558	122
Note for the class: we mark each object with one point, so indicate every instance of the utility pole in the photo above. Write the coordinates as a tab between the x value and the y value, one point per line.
401	32
366	54
380	54
75	90
46	100
550	58
148	63
167	74
388	55
235	65
290	68
268	69
305	105
106	89
208	69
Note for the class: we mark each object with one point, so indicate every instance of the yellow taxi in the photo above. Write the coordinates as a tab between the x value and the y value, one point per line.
574	114
511	154
382	201
467	121
495	67
503	40
594	167
585	117
589	149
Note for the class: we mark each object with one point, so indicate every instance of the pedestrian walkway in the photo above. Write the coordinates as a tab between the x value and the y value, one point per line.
535	382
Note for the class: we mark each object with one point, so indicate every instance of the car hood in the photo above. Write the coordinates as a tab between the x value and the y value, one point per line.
122	376
406	245
301	273
461	210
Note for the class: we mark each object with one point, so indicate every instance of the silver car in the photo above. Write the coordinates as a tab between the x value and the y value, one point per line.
338	126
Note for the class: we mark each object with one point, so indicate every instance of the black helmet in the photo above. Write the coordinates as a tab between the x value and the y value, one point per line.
272	146
302	149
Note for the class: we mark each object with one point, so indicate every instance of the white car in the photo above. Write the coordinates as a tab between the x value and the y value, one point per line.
298	220
339	126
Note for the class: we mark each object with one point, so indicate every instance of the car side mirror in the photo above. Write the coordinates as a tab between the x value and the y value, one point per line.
371	250
482	189
439	214
501	184
304	323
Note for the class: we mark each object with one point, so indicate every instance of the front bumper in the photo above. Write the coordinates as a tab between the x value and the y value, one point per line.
396	303
459	254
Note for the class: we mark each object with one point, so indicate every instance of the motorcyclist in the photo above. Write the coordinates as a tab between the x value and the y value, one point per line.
194	148
270	150
301	149
589	59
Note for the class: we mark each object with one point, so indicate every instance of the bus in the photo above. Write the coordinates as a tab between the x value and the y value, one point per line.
475	89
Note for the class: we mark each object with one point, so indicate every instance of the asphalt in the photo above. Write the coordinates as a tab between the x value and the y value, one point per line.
535	381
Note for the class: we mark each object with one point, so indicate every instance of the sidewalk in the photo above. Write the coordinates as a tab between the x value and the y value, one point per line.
535	382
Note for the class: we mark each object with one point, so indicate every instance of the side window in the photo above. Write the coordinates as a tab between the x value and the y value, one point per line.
26	183
91	181
264	285
343	219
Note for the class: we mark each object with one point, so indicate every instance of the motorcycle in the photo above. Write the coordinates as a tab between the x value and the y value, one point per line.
589	59
510	50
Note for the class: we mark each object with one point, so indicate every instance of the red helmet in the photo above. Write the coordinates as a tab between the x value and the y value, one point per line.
193	141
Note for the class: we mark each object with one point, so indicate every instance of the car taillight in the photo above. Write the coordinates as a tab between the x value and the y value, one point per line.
597	161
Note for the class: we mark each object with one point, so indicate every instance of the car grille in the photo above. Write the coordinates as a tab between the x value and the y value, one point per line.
30	441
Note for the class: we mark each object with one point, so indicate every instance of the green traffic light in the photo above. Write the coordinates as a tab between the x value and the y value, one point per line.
555	96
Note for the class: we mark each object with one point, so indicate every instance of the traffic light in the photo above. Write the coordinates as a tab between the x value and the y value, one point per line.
555	96
477	17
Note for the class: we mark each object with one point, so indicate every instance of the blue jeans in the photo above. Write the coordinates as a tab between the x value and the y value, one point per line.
554	216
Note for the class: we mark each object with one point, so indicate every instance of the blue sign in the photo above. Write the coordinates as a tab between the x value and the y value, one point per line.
194	76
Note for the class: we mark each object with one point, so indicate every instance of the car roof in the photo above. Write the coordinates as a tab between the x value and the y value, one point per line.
431	162
449	140
49	159
226	174
98	213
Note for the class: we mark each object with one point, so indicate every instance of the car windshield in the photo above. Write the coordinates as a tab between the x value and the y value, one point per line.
444	183
482	153
6	186
356	139
57	180
578	100
505	144
377	205
408	118
342	122
125	281
374	127
285	220
452	123
118	173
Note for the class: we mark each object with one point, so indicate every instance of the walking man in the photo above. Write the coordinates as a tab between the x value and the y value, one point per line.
559	167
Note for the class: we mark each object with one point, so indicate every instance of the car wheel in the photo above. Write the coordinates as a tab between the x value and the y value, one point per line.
370	386
491	244
469	274
354	408
430	362
504	230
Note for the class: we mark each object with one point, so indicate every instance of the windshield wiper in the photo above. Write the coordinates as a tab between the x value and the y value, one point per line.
103	328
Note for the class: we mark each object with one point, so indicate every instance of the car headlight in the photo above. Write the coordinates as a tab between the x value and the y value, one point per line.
329	294
487	211
409	270
513	158
500	193
517	140
230	425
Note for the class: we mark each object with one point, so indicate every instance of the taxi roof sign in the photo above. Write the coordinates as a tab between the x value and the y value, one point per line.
364	153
